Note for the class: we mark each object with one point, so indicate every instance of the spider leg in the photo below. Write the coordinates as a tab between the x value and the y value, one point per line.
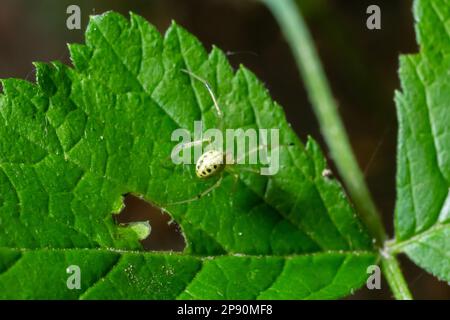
186	145
261	146
211	93
200	195
242	157
252	170
266	164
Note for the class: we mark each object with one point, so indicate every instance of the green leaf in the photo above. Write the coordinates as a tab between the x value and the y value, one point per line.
111	274
422	219
75	143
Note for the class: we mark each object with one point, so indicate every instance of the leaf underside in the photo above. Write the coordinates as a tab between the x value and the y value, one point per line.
73	144
422	220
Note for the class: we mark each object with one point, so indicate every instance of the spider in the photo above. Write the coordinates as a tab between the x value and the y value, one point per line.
213	163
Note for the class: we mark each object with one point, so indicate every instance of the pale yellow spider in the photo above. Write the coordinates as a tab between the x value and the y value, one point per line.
214	162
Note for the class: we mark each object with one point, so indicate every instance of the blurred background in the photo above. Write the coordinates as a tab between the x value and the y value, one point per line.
361	65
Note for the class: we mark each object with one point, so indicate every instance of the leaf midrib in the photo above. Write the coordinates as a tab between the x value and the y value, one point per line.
401	246
201	257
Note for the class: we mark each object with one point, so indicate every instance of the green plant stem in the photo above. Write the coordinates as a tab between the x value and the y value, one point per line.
391	270
325	108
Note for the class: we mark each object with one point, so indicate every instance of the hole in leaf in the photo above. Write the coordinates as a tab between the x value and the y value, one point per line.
165	234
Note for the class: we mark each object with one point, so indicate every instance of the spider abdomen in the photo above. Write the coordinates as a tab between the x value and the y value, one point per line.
210	163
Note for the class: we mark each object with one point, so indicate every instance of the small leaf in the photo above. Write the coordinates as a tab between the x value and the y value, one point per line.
75	143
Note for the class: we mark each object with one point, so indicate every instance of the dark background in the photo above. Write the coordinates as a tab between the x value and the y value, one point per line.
361	65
